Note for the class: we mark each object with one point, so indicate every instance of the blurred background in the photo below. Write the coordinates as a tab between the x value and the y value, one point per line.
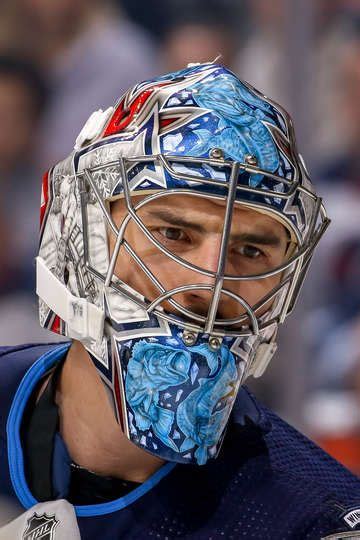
63	59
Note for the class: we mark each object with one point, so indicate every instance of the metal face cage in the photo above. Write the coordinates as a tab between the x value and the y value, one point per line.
292	271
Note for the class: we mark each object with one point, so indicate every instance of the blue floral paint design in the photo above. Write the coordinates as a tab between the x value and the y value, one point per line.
223	112
197	416
151	369
241	129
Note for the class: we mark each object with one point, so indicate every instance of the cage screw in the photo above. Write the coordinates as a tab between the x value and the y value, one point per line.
189	338
216	153
214	343
251	160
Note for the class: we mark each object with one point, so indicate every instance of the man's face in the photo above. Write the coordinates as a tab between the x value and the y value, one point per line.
191	228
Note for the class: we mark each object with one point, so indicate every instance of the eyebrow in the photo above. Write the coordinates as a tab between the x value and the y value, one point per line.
265	239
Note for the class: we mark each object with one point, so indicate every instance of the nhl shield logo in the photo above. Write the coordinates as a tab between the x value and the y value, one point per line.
40	527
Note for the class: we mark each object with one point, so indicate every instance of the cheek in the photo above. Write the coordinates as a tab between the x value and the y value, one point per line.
169	273
129	271
254	291
164	268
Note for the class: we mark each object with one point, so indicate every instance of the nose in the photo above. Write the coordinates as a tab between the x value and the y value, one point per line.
206	257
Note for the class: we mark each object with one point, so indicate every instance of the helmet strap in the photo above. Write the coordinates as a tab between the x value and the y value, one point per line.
84	320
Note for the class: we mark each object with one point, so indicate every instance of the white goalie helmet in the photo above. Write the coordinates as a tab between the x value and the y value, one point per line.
195	140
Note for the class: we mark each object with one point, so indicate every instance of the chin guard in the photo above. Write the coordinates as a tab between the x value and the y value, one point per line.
263	355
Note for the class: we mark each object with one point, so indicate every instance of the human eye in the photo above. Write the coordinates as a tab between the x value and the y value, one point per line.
172	234
250	251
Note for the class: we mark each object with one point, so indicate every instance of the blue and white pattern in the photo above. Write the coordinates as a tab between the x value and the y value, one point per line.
236	124
180	399
207	107
203	415
154	368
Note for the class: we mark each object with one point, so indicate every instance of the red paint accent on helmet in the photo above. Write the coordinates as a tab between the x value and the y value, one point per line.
124	115
167	121
55	327
44	197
